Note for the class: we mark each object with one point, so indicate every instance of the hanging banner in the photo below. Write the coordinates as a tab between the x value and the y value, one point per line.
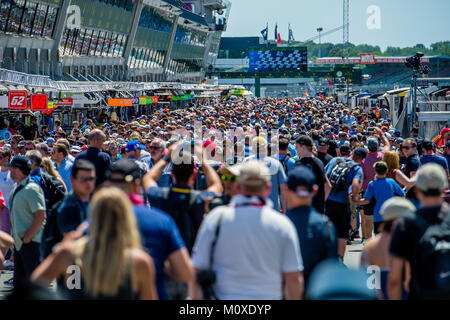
17	99
39	102
120	102
68	102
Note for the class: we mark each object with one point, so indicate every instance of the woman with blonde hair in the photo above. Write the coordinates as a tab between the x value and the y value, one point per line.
393	162
48	167
110	258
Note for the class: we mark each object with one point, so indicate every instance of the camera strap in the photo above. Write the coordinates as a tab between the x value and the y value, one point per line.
213	244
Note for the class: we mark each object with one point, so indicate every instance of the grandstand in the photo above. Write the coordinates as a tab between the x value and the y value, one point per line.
118	40
391	70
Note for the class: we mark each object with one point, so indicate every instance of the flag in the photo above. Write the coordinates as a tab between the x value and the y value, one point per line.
277	35
329	83
291	34
265	32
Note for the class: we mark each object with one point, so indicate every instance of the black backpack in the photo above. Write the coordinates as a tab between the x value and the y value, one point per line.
182	215
51	235
339	174
432	259
284	163
53	190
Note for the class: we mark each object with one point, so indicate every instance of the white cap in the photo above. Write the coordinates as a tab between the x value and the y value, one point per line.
396	207
431	176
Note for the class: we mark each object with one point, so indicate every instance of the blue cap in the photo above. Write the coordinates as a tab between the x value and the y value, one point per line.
327	132
301	176
389	120
361	152
397	131
331	280
50	140
133	146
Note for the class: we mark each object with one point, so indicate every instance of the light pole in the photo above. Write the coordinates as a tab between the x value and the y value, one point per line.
319	30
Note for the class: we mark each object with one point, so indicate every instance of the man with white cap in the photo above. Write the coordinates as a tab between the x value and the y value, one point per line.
423	241
252	249
376	250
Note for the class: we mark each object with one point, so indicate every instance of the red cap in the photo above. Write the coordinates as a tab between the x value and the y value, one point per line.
84	148
444	131
209	143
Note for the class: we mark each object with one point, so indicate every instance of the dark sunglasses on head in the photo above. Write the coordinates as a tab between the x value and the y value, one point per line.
84	179
226	178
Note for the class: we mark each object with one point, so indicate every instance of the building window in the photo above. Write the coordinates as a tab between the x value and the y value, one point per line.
50	21
4	13
39	20
15	15
28	17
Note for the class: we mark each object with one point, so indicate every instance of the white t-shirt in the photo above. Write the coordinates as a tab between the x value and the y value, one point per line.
6	185
254	247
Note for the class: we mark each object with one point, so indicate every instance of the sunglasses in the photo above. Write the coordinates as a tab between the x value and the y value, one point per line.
154	148
231	179
112	148
135	138
84	179
406	147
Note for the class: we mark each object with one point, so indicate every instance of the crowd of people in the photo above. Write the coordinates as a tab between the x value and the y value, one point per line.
226	199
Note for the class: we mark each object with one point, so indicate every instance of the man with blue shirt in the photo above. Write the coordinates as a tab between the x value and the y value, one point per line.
159	233
101	160
430	156
286	160
74	208
60	155
381	189
316	233
337	206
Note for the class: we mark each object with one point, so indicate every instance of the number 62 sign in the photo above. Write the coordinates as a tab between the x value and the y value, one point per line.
17	100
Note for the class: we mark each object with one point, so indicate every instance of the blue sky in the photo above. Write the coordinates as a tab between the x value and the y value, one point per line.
402	22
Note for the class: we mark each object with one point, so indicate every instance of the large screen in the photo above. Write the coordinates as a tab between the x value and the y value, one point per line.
268	59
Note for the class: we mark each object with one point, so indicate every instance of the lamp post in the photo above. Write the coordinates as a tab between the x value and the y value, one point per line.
319	30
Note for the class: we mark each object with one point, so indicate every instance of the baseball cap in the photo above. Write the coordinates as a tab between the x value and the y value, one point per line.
75	149
252	173
21	144
20	162
126	167
431	177
133	145
323	142
301	176
50	140
396	207
209	144
444	131
360	152
304	140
